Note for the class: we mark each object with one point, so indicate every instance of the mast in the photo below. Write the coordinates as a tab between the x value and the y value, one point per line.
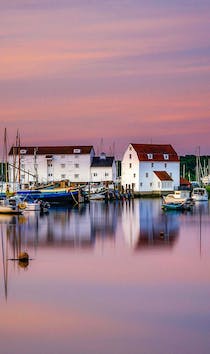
18	137
5	158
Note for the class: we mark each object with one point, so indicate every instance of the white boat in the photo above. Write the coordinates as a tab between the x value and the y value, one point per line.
200	194
97	196
177	197
31	204
11	207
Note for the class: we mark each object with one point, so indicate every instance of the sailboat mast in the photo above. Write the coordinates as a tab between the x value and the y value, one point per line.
5	158
19	159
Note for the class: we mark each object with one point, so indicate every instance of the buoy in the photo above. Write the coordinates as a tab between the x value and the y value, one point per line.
23	259
21	205
23	256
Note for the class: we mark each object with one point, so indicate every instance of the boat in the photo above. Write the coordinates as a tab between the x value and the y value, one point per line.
178	196
187	205
179	200
199	194
52	196
173	206
30	203
8	206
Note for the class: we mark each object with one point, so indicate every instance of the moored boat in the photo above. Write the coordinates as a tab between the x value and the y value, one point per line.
53	196
11	207
200	194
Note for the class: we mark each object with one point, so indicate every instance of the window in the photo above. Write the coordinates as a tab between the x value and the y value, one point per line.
77	151
76	156
76	165
165	165
95	174
152	164
150	184
23	151
171	174
63	165
130	156
150	156
141	184
22	166
134	175
130	165
106	174
76	176
147	174
63	176
165	156
130	148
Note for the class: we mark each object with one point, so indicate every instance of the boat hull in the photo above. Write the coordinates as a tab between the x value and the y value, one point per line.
52	197
11	211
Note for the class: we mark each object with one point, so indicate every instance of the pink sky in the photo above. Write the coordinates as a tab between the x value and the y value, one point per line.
77	72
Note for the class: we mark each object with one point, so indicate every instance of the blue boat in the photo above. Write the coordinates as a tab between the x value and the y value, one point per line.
52	196
173	206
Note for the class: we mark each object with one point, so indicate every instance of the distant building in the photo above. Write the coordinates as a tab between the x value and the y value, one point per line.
103	168
45	164
150	168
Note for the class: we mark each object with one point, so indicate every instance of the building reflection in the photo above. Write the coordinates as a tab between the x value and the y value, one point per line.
146	226
62	227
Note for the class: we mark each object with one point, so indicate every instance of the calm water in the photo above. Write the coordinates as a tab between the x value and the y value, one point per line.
103	279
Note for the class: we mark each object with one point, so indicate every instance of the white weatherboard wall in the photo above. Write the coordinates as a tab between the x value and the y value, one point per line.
73	167
103	174
147	184
141	174
162	185
130	169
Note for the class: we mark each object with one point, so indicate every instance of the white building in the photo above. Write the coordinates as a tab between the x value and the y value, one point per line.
150	168
45	164
103	169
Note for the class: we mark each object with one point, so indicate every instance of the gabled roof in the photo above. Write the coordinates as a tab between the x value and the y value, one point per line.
51	150
155	152
102	162
184	182
163	176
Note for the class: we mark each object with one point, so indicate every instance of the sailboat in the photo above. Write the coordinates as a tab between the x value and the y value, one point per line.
199	193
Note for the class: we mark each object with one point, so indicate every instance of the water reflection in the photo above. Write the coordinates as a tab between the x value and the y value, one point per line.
146	226
63	227
72	299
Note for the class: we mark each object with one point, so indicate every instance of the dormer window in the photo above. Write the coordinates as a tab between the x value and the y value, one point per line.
150	156
23	151
77	151
166	156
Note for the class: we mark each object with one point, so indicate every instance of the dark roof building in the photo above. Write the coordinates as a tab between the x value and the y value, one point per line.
51	150
102	162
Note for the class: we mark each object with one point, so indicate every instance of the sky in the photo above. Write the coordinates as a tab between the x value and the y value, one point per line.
106	73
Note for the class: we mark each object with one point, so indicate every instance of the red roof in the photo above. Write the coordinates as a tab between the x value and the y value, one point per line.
155	152
51	150
184	182
163	176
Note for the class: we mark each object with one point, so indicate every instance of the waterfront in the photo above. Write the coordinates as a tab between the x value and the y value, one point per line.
107	278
